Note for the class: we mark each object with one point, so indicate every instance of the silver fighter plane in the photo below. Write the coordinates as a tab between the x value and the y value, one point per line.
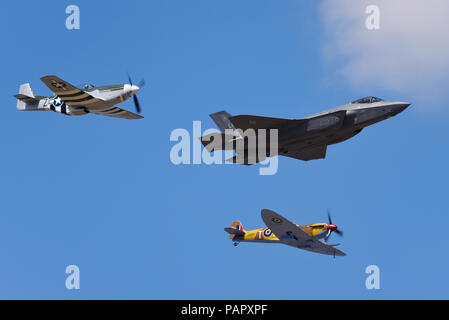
74	101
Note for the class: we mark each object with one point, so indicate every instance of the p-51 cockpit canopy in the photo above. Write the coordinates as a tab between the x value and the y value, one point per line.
367	100
86	86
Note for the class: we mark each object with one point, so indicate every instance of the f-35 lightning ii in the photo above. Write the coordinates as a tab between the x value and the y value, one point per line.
306	138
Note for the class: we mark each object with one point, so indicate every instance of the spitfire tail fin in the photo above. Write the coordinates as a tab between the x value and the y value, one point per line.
236	229
26	98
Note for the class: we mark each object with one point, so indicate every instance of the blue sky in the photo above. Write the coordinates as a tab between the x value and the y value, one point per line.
102	193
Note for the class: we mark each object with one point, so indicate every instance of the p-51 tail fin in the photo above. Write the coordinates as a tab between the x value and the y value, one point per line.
26	98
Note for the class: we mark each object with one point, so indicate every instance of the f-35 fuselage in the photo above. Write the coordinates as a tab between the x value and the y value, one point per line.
306	138
336	124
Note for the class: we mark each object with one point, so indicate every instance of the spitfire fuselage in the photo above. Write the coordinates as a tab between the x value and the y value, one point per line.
265	234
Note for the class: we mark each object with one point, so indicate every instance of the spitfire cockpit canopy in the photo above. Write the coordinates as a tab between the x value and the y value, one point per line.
367	100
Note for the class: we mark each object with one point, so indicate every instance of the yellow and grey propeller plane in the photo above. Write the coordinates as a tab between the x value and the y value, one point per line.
74	101
281	230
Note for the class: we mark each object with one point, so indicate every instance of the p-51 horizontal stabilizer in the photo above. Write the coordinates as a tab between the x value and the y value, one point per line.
26	99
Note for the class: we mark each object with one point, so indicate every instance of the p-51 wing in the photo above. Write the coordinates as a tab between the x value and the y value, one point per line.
71	95
290	234
113	111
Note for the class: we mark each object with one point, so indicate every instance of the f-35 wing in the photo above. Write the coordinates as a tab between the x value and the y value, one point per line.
113	111
245	122
290	234
68	93
245	160
308	154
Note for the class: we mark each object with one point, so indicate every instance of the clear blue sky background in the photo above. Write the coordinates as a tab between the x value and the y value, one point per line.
101	193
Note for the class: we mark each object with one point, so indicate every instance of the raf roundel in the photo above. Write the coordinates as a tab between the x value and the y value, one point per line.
58	85
267	233
276	220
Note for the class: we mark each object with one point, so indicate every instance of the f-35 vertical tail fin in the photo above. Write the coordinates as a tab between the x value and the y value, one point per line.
222	121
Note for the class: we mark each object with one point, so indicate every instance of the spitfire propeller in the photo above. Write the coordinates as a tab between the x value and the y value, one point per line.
331	227
136	101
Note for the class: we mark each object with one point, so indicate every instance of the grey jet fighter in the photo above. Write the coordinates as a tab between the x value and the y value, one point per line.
74	101
306	138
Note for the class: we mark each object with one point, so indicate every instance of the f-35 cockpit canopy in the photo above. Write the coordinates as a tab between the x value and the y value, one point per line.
367	100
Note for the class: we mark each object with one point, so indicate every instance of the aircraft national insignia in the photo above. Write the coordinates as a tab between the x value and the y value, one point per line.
267	233
56	102
58	85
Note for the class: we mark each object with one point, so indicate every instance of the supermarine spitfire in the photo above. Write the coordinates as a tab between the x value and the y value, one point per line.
74	101
281	230
306	138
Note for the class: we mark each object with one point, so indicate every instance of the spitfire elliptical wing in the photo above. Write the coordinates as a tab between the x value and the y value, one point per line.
283	228
290	234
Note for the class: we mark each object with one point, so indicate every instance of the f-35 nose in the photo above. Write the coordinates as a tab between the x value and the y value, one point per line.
400	106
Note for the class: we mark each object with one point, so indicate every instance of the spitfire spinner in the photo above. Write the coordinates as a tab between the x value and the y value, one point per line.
281	230
74	101
306	138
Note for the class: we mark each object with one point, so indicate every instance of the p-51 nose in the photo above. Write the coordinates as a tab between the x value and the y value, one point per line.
134	89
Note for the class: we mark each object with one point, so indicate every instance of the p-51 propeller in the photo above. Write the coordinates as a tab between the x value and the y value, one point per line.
136	101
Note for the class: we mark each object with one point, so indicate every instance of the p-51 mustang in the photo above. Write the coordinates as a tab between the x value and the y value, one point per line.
281	230
306	138
74	101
